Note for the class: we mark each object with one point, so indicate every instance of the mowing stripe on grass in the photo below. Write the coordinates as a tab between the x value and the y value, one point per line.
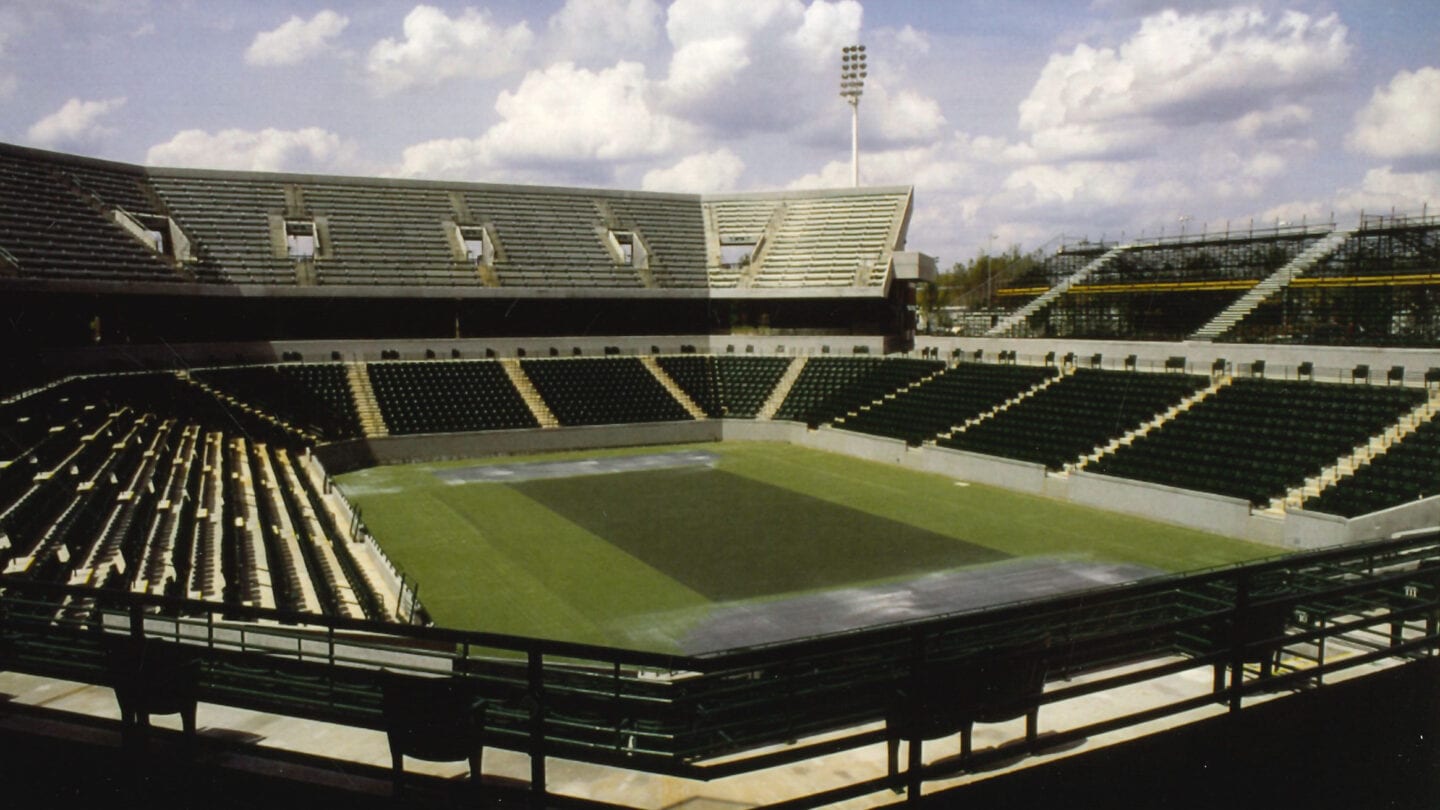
729	537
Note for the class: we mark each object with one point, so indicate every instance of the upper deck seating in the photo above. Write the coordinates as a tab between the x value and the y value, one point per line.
229	220
54	224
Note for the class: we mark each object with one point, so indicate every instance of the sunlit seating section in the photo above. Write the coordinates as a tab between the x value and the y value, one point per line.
314	397
1255	438
935	406
602	391
833	240
444	396
228	219
1408	471
1077	414
55	223
829	387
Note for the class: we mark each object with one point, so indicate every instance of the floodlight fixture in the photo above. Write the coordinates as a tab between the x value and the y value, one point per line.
852	85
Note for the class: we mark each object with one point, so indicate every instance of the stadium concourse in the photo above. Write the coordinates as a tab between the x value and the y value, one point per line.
194	357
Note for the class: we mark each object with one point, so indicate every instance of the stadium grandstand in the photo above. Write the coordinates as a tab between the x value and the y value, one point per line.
203	366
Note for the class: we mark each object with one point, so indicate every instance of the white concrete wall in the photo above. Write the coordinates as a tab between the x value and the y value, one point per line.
962	465
1332	363
1182	507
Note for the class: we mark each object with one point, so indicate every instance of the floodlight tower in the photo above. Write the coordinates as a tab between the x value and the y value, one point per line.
852	84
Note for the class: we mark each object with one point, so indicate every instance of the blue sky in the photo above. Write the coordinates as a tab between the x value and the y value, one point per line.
1017	123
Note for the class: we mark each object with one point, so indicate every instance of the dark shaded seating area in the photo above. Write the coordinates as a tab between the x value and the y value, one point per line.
314	397
697	377
1255	438
935	406
54	224
746	382
726	386
1077	414
602	391
448	396
830	387
1408	471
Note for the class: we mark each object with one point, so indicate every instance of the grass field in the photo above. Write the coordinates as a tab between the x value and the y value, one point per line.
586	558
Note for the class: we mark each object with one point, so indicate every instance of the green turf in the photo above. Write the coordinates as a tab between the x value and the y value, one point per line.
742	538
496	557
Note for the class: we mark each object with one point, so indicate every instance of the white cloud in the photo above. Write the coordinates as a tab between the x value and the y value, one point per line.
1279	119
602	28
1384	188
75	122
1178	70
437	48
560	115
757	66
1402	120
703	173
942	165
1089	182
295	40
266	150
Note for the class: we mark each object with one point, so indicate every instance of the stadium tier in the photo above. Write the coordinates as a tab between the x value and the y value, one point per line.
191	355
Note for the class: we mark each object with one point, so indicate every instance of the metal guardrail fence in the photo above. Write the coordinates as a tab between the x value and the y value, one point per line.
1285	623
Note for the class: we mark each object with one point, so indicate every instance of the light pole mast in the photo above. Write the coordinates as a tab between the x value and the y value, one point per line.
852	84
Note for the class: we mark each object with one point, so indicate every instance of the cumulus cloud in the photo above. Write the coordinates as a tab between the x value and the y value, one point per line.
1401	120
437	48
584	29
1281	119
758	66
562	114
706	172
1178	70
1378	192
75	122
266	150
295	40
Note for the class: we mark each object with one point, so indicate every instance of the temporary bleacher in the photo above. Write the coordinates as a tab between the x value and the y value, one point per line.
445	396
1255	438
602	391
830	387
1080	412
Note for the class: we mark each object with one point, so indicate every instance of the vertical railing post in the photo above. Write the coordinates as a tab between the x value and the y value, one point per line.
1237	643
536	677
